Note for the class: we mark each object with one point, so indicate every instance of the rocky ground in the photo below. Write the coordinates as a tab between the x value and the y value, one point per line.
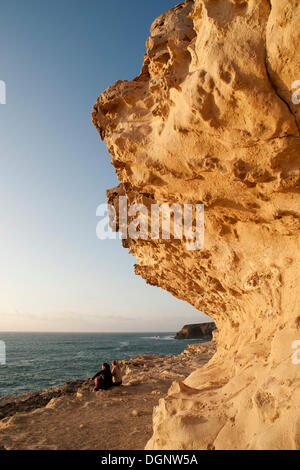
75	417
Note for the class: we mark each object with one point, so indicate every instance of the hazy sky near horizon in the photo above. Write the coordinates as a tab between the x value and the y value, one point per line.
55	275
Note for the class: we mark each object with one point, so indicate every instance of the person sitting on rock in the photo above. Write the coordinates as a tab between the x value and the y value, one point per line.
116	374
103	379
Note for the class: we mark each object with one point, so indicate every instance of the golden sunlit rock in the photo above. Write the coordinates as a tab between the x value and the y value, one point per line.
213	118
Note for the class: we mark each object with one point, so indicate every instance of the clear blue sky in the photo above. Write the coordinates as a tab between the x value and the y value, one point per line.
56	57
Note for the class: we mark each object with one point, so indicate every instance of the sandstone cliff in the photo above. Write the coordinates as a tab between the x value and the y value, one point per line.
196	331
213	118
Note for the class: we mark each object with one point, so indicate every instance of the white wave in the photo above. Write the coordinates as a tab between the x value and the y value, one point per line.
80	355
24	362
159	338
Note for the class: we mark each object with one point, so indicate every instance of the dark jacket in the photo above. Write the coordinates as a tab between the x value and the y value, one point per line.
106	378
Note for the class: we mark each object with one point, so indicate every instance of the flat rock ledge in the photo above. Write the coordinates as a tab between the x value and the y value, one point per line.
136	371
30	401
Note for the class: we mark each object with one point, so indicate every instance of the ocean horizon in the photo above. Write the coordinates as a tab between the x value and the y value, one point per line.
41	360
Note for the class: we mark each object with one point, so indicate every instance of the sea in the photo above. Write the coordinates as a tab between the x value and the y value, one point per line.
36	361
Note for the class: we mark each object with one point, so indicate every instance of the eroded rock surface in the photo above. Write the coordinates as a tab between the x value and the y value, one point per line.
30	401
212	119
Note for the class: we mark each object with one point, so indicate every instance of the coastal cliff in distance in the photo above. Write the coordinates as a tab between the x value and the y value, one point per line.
197	331
214	118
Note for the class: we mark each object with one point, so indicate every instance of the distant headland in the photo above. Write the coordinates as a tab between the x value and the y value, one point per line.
197	331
